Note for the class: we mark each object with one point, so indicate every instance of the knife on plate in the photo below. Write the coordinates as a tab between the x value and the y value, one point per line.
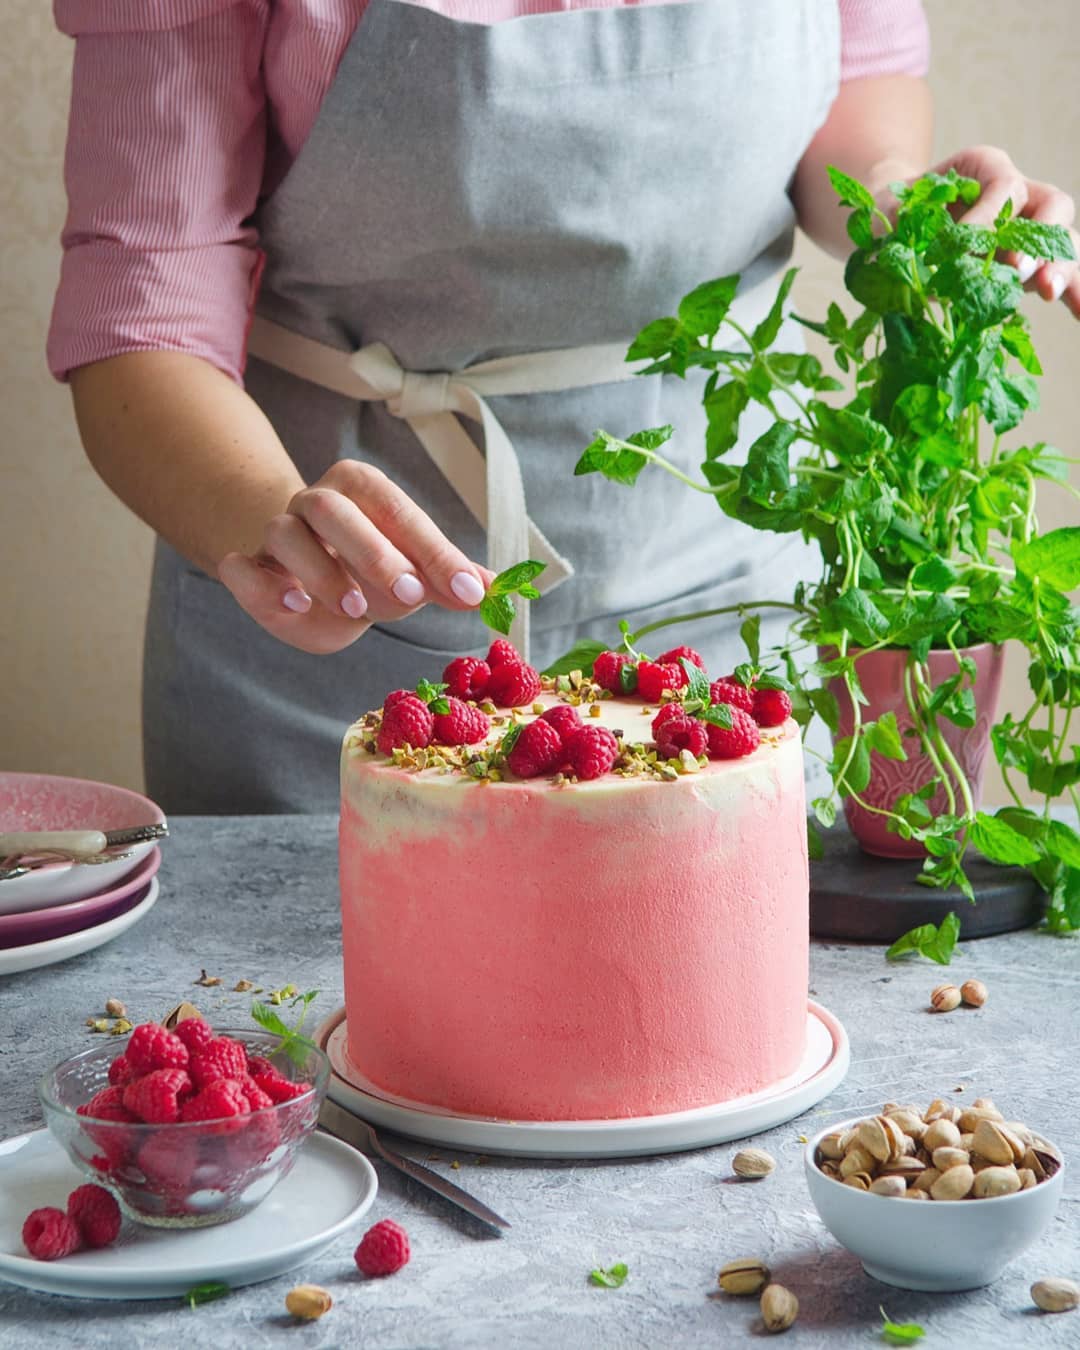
343	1124
21	843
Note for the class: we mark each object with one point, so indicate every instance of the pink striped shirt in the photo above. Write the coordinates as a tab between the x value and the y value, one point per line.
184	113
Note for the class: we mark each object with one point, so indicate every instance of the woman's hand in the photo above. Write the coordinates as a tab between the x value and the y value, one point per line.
350	551
1002	181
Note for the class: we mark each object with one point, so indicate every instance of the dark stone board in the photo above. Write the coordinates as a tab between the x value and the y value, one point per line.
856	896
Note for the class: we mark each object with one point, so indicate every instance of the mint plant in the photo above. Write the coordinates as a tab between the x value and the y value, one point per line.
925	520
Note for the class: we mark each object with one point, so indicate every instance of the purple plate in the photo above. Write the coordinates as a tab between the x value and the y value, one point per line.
40	925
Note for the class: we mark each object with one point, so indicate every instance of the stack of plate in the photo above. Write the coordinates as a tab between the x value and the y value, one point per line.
60	909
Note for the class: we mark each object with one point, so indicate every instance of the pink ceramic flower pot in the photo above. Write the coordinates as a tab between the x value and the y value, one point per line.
882	677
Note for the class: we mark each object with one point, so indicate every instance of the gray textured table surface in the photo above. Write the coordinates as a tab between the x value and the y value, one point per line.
256	898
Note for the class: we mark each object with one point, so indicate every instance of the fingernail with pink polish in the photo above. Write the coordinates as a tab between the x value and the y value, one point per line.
298	601
408	589
466	587
1026	267
1057	285
354	604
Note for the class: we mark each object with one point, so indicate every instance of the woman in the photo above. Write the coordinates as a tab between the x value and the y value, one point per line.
432	187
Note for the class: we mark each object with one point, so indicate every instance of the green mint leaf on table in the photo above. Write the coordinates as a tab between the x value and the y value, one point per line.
580	657
937	942
206	1293
612	1278
497	609
900	1333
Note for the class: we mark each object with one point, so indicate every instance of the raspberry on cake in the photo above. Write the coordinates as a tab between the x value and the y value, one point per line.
741	738
730	690
467	677
462	725
677	654
513	685
772	707
653	679
608	668
537	750
408	722
681	732
503	653
563	718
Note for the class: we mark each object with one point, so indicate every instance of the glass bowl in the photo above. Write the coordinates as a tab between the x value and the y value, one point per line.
191	1174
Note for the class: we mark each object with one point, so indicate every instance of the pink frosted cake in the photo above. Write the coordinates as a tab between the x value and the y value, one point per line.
554	948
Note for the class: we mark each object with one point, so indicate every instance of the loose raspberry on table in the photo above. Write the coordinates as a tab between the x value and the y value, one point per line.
678	654
772	707
538	750
221	1057
383	1249
591	751
408	722
121	1071
224	1102
95	1213
151	1047
467	677
563	718
462	725
503	653
666	713
156	1097
653	679
729	690
280	1089
682	733
607	671
741	738
513	685
195	1032
49	1233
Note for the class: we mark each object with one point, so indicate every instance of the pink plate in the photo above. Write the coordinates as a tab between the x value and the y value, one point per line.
39	801
41	925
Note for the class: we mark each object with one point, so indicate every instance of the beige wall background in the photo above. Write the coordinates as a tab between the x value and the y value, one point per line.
74	564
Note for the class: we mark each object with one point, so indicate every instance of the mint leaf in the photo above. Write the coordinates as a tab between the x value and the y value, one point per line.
270	1021
765	333
1036	239
432	695
850	191
900	1333
750	632
719	714
509	740
512	580
612	1278
935	942
1000	843
497	612
697	681
292	1043
206	1293
580	657
815	846
1053	557
702	311
883	736
656	339
934	575
723	408
1062	843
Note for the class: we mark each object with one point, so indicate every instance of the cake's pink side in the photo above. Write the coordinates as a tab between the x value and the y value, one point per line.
618	948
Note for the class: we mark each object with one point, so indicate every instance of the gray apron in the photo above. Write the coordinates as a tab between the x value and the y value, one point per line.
470	193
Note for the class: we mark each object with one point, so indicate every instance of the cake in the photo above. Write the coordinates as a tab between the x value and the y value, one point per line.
555	949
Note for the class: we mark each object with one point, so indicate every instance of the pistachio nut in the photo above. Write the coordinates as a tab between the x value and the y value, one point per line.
832	1169
831	1146
996	1142
953	1184
753	1163
973	992
971	1116
1021	1131
1027	1178
941	1134
1032	1163
872	1136
890	1185
996	1181
946	1157
859	1181
908	1168
940	1110
1056	1295
308	1301
857	1160
945	998
984	1104
747	1275
115	1008
779	1307
912	1194
925	1179
909	1121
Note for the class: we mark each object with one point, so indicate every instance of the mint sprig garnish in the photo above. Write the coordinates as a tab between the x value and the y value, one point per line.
936	941
434	695
207	1292
497	609
293	1043
900	1333
612	1278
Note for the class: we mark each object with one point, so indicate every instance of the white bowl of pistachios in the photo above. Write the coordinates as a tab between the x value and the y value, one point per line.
986	1189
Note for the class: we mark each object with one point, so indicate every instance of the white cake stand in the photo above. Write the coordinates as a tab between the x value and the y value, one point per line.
823	1066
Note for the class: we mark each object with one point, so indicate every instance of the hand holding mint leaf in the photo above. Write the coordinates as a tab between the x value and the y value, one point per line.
497	609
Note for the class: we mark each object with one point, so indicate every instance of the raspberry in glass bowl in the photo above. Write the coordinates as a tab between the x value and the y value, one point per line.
186	1138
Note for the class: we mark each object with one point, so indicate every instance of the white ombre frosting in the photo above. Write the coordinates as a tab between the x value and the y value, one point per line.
622	947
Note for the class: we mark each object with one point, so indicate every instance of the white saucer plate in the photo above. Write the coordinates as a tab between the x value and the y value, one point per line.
330	1187
35	954
823	1066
